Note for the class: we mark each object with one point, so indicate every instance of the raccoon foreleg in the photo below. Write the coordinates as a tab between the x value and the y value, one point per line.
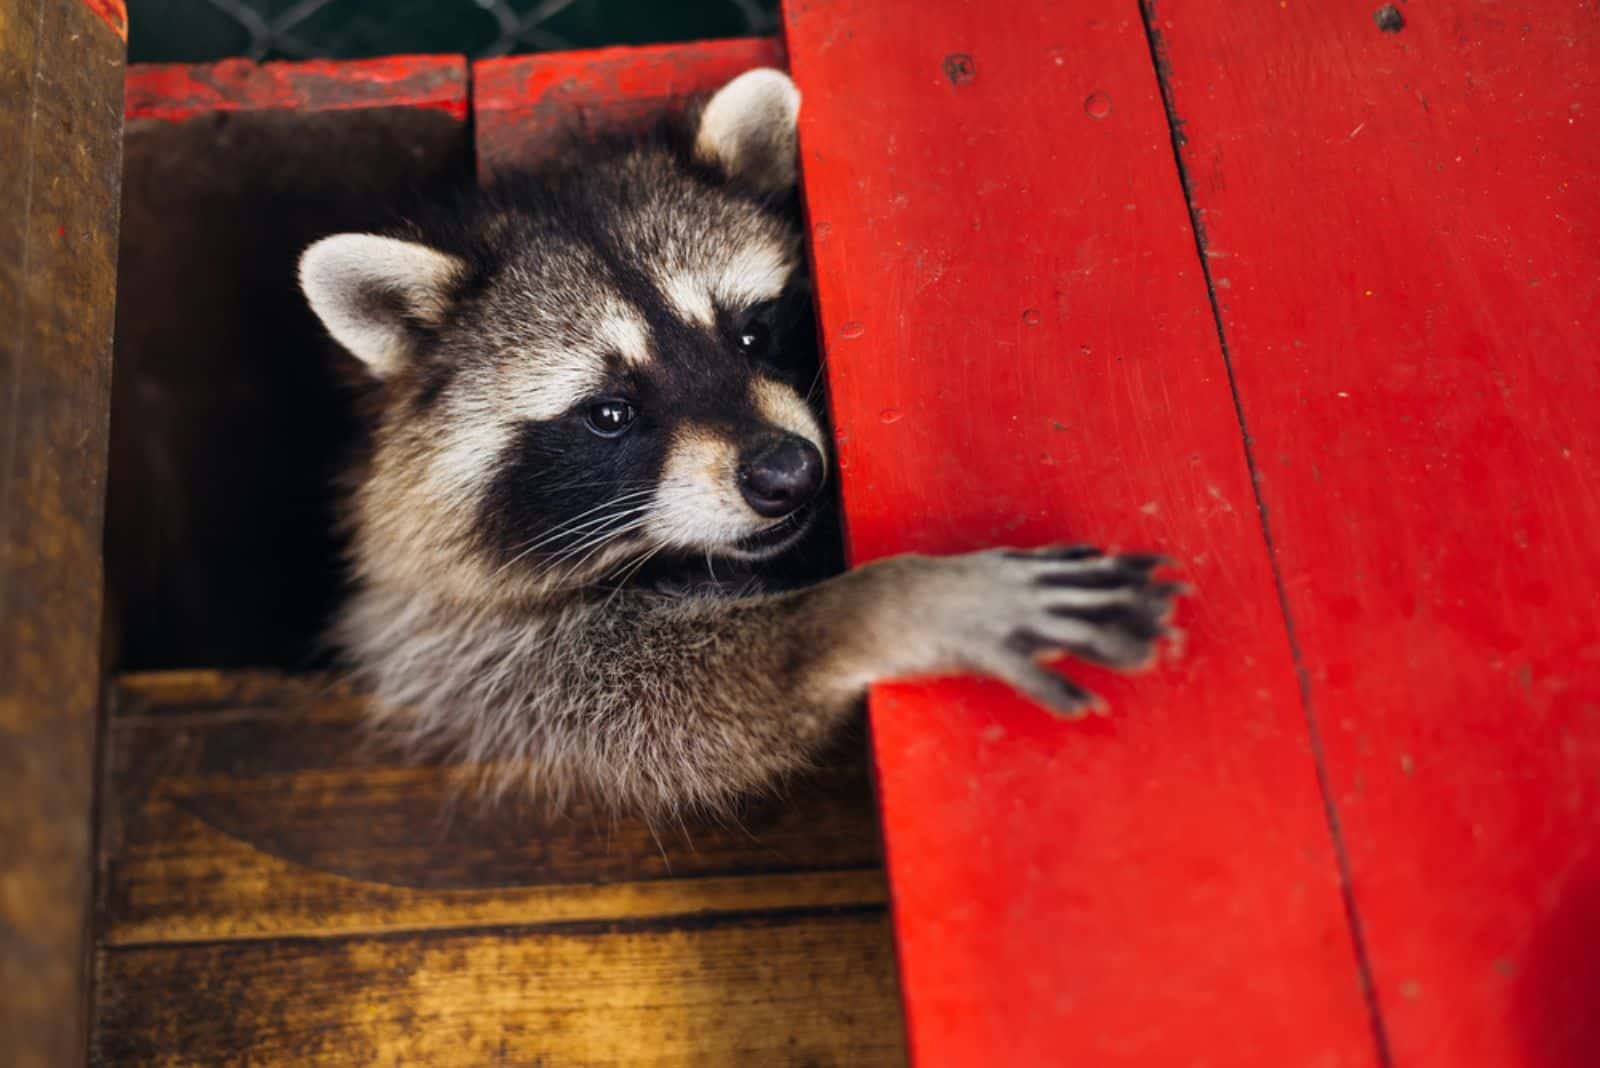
708	698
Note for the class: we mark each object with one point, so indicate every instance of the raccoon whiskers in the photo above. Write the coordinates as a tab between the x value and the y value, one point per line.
598	535
619	484
814	389
589	529
632	570
596	544
576	523
614	525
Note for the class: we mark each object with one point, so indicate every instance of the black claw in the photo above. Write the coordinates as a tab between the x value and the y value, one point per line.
1065	697
1135	619
1124	571
1143	563
1122	663
1105	579
1073	553
1064	553
1031	642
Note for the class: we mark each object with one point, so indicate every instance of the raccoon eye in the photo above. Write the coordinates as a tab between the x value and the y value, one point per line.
753	333
610	418
755	337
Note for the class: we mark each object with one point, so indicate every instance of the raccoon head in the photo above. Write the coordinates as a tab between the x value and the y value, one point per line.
590	365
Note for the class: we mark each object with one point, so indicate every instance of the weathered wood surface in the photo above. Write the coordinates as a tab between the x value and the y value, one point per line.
60	151
1403	231
1021	350
805	989
178	91
250	805
253	846
528	108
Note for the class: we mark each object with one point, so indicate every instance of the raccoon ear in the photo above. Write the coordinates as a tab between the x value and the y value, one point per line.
748	129
375	293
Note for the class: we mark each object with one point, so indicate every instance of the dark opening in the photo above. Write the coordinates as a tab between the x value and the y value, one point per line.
230	413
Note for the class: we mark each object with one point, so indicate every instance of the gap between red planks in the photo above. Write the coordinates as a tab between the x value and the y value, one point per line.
1021	350
1403	230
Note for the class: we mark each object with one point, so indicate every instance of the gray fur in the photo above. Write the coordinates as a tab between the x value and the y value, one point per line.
570	659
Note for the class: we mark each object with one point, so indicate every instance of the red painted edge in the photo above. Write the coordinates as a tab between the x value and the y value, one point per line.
510	82
521	103
113	13
178	91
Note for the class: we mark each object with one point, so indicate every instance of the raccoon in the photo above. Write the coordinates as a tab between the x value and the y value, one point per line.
597	443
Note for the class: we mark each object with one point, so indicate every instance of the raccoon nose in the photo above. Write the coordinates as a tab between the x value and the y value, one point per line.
781	477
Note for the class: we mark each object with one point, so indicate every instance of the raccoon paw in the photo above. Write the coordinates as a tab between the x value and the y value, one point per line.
1077	600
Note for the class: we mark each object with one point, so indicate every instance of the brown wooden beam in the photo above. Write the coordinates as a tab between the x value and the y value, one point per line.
60	170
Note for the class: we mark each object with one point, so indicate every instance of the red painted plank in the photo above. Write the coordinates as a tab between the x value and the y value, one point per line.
1021	351
1404	231
524	104
176	91
113	13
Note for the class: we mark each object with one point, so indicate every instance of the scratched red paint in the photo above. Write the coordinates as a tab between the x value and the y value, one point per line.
175	91
1012	273
113	13
521	103
1404	230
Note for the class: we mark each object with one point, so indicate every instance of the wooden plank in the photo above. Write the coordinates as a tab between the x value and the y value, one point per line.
247	806
1020	351
528	108
799	990
178	91
232	408
60	153
1402	229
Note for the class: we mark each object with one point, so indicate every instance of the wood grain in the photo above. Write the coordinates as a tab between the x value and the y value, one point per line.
271	884
60	164
1403	233
1021	350
251	805
807	990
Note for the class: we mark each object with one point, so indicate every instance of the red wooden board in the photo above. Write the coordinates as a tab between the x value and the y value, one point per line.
1020	351
180	91
113	13
1404	233
521	103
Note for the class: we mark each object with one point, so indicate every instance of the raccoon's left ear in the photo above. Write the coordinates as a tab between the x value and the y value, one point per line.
377	294
748	129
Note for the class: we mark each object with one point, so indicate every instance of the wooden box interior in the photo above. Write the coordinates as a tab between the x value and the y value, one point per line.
268	881
229	409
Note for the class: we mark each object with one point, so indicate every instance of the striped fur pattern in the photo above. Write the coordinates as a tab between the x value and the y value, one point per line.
584	537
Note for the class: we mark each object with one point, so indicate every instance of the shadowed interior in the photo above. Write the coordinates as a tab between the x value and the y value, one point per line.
230	413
